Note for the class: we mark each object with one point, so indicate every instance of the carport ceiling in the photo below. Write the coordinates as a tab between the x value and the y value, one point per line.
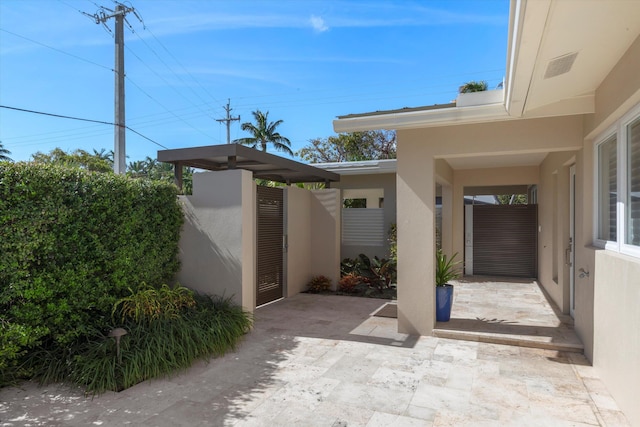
234	156
486	161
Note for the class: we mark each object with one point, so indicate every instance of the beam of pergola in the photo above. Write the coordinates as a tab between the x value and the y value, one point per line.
234	156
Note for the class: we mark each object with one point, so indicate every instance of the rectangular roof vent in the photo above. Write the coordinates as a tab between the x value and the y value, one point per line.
560	65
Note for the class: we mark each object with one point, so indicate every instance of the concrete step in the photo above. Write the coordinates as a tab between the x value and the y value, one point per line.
541	342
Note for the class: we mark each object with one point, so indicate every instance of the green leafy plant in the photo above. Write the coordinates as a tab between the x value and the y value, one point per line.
393	242
319	284
473	86
149	303
446	269
380	272
349	266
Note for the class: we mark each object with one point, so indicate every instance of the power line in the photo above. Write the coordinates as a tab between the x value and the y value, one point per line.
82	120
168	111
182	66
110	69
168	68
57	50
166	83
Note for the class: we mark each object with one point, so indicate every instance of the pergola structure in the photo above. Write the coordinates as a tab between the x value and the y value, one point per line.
236	156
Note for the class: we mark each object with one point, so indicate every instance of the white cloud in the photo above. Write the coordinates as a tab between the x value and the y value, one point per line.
318	24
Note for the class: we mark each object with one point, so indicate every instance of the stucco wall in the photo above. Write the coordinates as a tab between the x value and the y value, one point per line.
298	231
618	92
217	243
616	353
387	182
553	230
615	279
325	234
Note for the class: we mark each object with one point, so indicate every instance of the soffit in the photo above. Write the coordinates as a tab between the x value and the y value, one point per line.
496	161
599	32
234	156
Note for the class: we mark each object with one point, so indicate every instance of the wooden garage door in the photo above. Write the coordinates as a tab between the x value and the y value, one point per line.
270	217
505	240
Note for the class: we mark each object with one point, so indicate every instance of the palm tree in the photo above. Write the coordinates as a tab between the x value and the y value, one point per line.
103	154
4	154
264	132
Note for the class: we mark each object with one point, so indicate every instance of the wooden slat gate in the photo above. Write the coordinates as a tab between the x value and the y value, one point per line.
505	240
270	231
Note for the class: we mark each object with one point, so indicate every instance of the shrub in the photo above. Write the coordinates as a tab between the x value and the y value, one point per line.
380	272
149	304
349	266
348	283
319	284
153	347
393	242
72	243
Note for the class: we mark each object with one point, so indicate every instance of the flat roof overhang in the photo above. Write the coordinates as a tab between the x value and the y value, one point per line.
417	118
235	156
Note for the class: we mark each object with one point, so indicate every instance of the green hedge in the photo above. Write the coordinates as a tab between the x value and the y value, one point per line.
73	242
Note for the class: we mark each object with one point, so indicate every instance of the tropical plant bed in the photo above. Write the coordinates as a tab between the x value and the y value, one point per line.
361	277
367	291
157	332
364	291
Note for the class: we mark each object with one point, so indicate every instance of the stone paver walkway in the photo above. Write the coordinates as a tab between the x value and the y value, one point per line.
317	360
508	311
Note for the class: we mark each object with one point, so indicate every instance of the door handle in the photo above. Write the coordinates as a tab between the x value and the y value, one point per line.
567	256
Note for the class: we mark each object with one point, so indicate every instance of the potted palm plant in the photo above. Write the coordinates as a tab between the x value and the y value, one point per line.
446	270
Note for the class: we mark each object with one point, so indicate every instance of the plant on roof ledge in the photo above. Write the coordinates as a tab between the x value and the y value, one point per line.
473	86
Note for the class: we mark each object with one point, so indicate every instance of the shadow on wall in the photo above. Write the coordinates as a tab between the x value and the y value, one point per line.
206	267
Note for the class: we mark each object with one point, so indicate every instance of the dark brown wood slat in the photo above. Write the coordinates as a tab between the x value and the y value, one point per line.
270	229
505	240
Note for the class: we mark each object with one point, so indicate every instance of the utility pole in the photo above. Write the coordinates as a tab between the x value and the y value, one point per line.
119	151
228	120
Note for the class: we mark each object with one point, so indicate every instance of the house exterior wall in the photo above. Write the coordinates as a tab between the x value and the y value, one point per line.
615	278
553	231
325	234
387	182
419	153
298	230
218	239
416	181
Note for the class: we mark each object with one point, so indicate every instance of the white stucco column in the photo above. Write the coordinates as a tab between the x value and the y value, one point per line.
416	237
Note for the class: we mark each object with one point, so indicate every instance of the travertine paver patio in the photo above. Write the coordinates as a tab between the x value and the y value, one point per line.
317	360
508	311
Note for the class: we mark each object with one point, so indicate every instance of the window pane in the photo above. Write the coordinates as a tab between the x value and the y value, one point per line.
633	191
607	189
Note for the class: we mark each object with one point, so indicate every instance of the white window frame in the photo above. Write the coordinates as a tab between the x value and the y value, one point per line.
619	130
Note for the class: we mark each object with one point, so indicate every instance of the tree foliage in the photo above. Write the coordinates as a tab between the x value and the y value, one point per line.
263	133
4	154
102	161
511	199
78	158
160	171
351	147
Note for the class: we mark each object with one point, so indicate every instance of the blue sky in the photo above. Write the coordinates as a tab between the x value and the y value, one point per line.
304	62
